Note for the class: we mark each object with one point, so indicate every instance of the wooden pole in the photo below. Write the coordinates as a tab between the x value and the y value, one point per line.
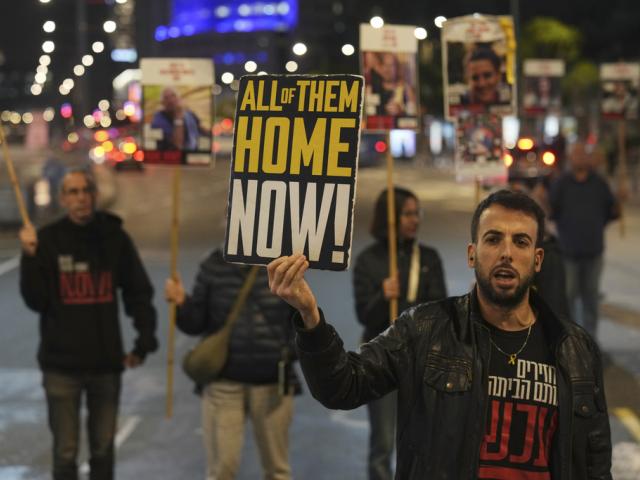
24	214
391	229
622	170
175	230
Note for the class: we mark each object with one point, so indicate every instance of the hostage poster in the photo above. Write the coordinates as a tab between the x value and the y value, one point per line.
479	65
293	169
619	83
177	110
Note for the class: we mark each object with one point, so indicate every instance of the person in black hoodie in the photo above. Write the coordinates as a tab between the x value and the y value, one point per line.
70	272
257	381
420	279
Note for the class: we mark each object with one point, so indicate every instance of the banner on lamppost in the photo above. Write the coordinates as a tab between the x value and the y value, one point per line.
479	65
293	169
388	60
177	110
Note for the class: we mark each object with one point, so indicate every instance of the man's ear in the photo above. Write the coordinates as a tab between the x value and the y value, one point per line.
537	260
471	255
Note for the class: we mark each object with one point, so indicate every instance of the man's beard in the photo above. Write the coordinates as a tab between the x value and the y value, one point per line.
507	300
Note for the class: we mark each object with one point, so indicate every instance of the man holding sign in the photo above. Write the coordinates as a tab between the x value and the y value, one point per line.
293	169
490	384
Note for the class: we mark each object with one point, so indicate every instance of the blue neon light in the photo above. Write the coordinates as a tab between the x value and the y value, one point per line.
190	17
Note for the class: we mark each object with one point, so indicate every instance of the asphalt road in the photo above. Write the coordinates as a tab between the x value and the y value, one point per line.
324	444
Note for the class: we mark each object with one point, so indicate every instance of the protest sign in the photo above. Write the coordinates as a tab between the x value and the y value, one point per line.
177	110
293	169
479	65
619	83
479	152
542	86
391	76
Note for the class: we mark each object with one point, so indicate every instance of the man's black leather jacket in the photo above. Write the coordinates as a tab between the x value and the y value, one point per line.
437	355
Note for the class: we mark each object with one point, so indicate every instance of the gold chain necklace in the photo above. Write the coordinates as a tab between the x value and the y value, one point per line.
513	356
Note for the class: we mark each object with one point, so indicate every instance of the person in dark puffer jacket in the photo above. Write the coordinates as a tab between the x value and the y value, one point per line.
261	338
374	288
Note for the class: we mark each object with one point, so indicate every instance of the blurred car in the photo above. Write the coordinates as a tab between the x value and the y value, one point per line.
118	148
530	161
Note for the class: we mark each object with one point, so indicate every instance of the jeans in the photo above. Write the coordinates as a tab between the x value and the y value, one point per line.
382	437
64	398
226	405
583	288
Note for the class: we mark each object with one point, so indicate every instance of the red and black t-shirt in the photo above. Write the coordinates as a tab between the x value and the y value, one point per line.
522	415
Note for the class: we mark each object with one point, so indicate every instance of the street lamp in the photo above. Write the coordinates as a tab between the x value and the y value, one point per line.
48	46
78	70
49	26
299	49
291	66
348	49
420	33
376	22
439	21
227	77
87	60
109	26
251	66
97	47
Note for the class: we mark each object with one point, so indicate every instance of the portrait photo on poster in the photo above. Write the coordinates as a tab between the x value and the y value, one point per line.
391	91
479	66
177	108
293	169
542	89
479	148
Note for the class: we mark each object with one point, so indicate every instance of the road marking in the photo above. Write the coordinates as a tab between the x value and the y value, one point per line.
629	420
7	266
124	432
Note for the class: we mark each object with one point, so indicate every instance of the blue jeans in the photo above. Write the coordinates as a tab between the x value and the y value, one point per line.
382	438
583	288
64	398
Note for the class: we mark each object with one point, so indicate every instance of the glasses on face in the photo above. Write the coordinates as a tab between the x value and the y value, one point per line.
484	75
77	191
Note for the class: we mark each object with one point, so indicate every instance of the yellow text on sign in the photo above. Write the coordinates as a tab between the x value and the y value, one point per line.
310	95
265	146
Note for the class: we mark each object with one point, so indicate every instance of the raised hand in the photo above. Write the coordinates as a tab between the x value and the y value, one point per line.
286	280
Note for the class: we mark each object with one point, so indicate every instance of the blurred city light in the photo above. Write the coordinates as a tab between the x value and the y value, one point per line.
129	109
420	33
439	21
299	49
97	47
36	89
262	72
87	60
40	77
88	121
109	26
120	115
45	60
65	110
103	104
348	49
48	46
251	66
63	90
49	26
291	66
525	143
376	22
507	159
27	117
45	1
73	137
78	70
68	83
48	114
380	146
15	118
42	69
227	77
105	122
548	158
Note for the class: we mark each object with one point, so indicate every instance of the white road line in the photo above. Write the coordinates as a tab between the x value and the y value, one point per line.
124	432
7	266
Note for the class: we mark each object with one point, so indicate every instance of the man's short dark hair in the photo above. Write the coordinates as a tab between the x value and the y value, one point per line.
379	224
486	53
511	200
88	176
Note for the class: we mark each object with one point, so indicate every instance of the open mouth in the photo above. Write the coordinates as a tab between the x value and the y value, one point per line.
505	276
